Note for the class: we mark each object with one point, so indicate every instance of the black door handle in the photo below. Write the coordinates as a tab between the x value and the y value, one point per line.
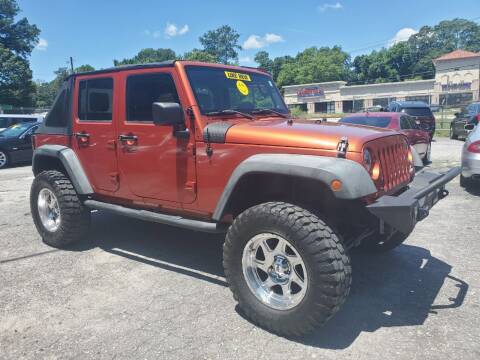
83	138
82	135
128	139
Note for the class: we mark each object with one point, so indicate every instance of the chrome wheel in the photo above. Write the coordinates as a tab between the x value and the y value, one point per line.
274	271
3	159
48	210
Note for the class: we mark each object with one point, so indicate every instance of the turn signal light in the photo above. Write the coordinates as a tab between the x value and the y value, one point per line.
336	185
410	157
474	147
376	171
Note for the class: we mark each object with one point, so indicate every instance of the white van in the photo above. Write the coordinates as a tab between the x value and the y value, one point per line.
7	120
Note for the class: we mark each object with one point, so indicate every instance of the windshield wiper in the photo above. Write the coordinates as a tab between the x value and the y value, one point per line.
229	112
263	111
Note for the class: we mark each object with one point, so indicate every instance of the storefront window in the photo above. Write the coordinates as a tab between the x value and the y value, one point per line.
302	107
325	107
358	105
455	99
425	98
383	102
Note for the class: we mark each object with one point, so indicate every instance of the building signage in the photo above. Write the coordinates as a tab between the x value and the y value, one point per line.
457	87
310	91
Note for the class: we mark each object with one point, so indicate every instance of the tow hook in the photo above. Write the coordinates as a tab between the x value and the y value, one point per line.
422	214
442	194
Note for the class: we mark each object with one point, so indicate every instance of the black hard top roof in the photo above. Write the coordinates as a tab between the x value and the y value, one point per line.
167	63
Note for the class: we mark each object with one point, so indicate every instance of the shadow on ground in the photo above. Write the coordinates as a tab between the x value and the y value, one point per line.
396	289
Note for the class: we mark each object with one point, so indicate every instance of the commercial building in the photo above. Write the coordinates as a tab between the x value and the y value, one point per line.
456	82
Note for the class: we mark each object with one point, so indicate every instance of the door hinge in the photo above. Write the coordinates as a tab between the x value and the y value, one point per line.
190	113
191	186
114	178
111	145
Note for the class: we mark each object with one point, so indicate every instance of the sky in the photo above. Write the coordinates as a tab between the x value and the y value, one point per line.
97	31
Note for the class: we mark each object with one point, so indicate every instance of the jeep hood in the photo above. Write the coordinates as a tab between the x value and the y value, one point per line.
303	134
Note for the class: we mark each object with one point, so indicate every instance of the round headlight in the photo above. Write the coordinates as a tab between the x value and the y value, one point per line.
367	160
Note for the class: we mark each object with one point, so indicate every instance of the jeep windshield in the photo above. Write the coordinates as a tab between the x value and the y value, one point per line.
221	91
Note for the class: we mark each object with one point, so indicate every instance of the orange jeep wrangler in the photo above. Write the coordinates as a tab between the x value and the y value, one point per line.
214	148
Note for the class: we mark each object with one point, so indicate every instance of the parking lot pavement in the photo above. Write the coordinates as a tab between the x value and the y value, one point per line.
140	290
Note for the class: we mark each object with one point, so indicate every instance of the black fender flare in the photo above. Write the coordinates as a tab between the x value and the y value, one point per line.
70	162
354	177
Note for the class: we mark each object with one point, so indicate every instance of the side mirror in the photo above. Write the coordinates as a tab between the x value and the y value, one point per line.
167	113
457	114
469	127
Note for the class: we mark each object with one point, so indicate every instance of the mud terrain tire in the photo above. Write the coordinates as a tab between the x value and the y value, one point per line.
74	217
327	266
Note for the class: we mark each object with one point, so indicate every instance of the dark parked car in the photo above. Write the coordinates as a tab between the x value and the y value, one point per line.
7	120
16	143
420	111
403	123
469	115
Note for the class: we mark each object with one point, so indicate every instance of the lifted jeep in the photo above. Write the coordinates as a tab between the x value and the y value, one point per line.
213	148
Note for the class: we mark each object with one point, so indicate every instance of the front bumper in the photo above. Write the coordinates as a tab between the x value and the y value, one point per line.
402	211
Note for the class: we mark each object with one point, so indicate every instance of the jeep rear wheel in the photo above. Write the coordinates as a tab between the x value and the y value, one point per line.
58	214
286	268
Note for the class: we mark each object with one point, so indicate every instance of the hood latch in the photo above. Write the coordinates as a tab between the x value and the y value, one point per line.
342	147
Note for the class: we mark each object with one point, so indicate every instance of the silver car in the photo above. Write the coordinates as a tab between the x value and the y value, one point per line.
471	156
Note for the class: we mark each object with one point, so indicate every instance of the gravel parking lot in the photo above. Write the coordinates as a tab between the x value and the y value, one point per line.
139	290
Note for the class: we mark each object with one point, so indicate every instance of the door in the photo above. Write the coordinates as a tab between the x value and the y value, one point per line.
94	133
415	136
154	162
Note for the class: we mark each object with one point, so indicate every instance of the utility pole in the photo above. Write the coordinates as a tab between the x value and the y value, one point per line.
71	64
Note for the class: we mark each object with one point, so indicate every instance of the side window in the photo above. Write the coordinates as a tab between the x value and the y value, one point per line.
95	99
57	116
405	123
4	122
144	90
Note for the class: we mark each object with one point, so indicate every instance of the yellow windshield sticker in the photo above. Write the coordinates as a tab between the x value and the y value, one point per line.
242	87
237	76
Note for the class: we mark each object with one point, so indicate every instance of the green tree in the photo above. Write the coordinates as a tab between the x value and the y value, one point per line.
149	55
262	58
47	91
20	36
16	86
315	65
412	59
84	68
17	40
222	43
200	55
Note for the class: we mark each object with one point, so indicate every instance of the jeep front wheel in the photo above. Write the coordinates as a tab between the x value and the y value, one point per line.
286	268
58	214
